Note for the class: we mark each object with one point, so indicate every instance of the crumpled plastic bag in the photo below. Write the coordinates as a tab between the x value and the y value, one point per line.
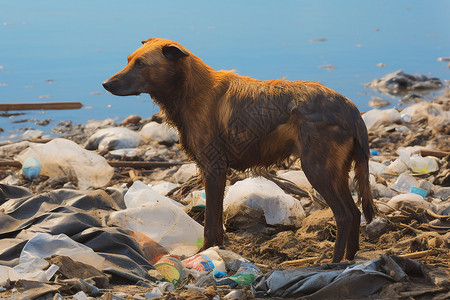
43	245
32	263
162	133
64	159
265	196
159	218
377	117
113	138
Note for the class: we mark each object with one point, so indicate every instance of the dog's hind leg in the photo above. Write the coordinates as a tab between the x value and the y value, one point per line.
353	237
326	155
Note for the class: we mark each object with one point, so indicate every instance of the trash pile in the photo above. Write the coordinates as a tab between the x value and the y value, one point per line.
115	211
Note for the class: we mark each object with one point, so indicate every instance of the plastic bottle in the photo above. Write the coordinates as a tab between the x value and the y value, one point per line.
244	276
31	168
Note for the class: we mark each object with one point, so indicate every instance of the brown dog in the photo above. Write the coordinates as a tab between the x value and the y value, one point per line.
226	120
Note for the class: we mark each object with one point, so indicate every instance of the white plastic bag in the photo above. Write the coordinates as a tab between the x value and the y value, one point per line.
404	183
185	172
423	165
377	117
140	194
297	177
154	131
264	195
43	245
61	158
165	187
410	199
113	138
161	219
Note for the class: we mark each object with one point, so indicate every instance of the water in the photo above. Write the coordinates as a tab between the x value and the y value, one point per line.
62	50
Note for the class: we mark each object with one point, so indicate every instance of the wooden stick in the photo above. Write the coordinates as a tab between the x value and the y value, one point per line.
114	164
43	105
143	164
132	173
419	254
435	153
298	262
10	163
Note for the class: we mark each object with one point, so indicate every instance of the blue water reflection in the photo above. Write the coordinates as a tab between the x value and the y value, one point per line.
75	45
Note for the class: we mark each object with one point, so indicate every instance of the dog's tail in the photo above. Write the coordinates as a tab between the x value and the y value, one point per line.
362	172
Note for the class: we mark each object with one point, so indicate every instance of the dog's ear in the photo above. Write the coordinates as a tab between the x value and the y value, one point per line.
173	52
147	40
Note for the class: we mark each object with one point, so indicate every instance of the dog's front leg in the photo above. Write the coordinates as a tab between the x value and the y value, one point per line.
215	179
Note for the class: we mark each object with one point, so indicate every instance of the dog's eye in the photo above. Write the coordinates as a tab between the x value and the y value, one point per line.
139	63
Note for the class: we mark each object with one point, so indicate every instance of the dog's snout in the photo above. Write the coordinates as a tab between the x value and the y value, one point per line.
107	84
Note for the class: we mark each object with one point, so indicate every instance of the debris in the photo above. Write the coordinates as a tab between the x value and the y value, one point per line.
113	138
161	133
317	40
61	158
261	195
400	83
131	120
41	105
376	117
378	102
327	67
160	218
298	262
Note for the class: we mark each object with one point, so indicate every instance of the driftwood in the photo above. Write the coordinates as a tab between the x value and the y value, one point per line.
435	153
43	105
114	164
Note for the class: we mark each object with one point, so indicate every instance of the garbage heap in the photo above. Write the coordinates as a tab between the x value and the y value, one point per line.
115	211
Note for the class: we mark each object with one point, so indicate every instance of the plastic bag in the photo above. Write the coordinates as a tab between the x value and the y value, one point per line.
245	275
185	172
410	199
64	159
297	177
165	187
113	138
263	195
205	261
161	219
43	245
404	183
154	131
377	117
423	165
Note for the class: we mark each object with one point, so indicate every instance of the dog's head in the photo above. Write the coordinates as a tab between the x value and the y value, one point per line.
155	66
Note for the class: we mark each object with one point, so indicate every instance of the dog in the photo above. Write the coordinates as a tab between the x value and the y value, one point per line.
230	121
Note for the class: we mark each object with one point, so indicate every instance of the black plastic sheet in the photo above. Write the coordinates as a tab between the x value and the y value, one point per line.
78	214
332	281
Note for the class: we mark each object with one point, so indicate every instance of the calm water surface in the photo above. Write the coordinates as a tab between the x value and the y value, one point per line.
63	50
